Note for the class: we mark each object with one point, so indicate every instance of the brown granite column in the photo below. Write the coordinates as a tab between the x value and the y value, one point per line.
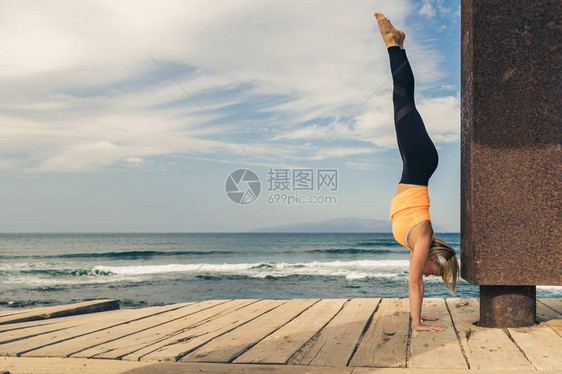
510	154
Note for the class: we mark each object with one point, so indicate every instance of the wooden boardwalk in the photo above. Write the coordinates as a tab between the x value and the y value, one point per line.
356	336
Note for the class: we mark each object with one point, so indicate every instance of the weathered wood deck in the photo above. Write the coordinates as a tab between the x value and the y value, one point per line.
275	336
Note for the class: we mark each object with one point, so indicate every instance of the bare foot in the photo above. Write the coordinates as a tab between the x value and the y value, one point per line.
390	34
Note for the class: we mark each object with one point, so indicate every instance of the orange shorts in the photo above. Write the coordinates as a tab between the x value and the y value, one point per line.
407	209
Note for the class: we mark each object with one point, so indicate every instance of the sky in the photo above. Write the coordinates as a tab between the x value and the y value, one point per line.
130	116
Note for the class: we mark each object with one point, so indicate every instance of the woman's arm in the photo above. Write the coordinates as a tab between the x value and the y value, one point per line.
418	259
415	294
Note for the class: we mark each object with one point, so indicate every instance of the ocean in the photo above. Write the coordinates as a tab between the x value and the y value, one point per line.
148	269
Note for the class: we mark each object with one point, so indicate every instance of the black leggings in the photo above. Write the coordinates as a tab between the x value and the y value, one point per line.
419	155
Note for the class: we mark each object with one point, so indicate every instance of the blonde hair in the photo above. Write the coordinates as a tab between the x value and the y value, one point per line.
447	262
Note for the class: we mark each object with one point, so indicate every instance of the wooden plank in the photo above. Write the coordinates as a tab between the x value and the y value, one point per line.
279	346
384	342
537	346
553	303
219	368
335	343
147	337
34	328
52	324
13	312
234	339
542	346
484	347
77	327
171	349
61	311
25	325
426	345
90	316
546	313
36	365
230	345
432	371
19	365
548	316
555	325
89	337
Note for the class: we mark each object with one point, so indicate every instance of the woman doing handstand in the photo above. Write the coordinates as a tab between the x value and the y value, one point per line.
409	209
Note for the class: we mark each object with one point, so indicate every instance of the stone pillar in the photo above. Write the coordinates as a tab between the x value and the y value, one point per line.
510	154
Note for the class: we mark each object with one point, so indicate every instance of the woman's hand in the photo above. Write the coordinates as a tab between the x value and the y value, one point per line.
424	318
421	327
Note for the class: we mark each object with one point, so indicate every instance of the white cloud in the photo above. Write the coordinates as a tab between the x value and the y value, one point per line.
314	131
361	165
427	9
442	9
430	8
448	87
79	90
441	116
134	160
336	152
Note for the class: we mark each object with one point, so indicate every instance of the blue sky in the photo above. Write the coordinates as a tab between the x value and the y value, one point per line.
98	132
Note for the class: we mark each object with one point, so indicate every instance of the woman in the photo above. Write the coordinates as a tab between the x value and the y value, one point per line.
409	212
